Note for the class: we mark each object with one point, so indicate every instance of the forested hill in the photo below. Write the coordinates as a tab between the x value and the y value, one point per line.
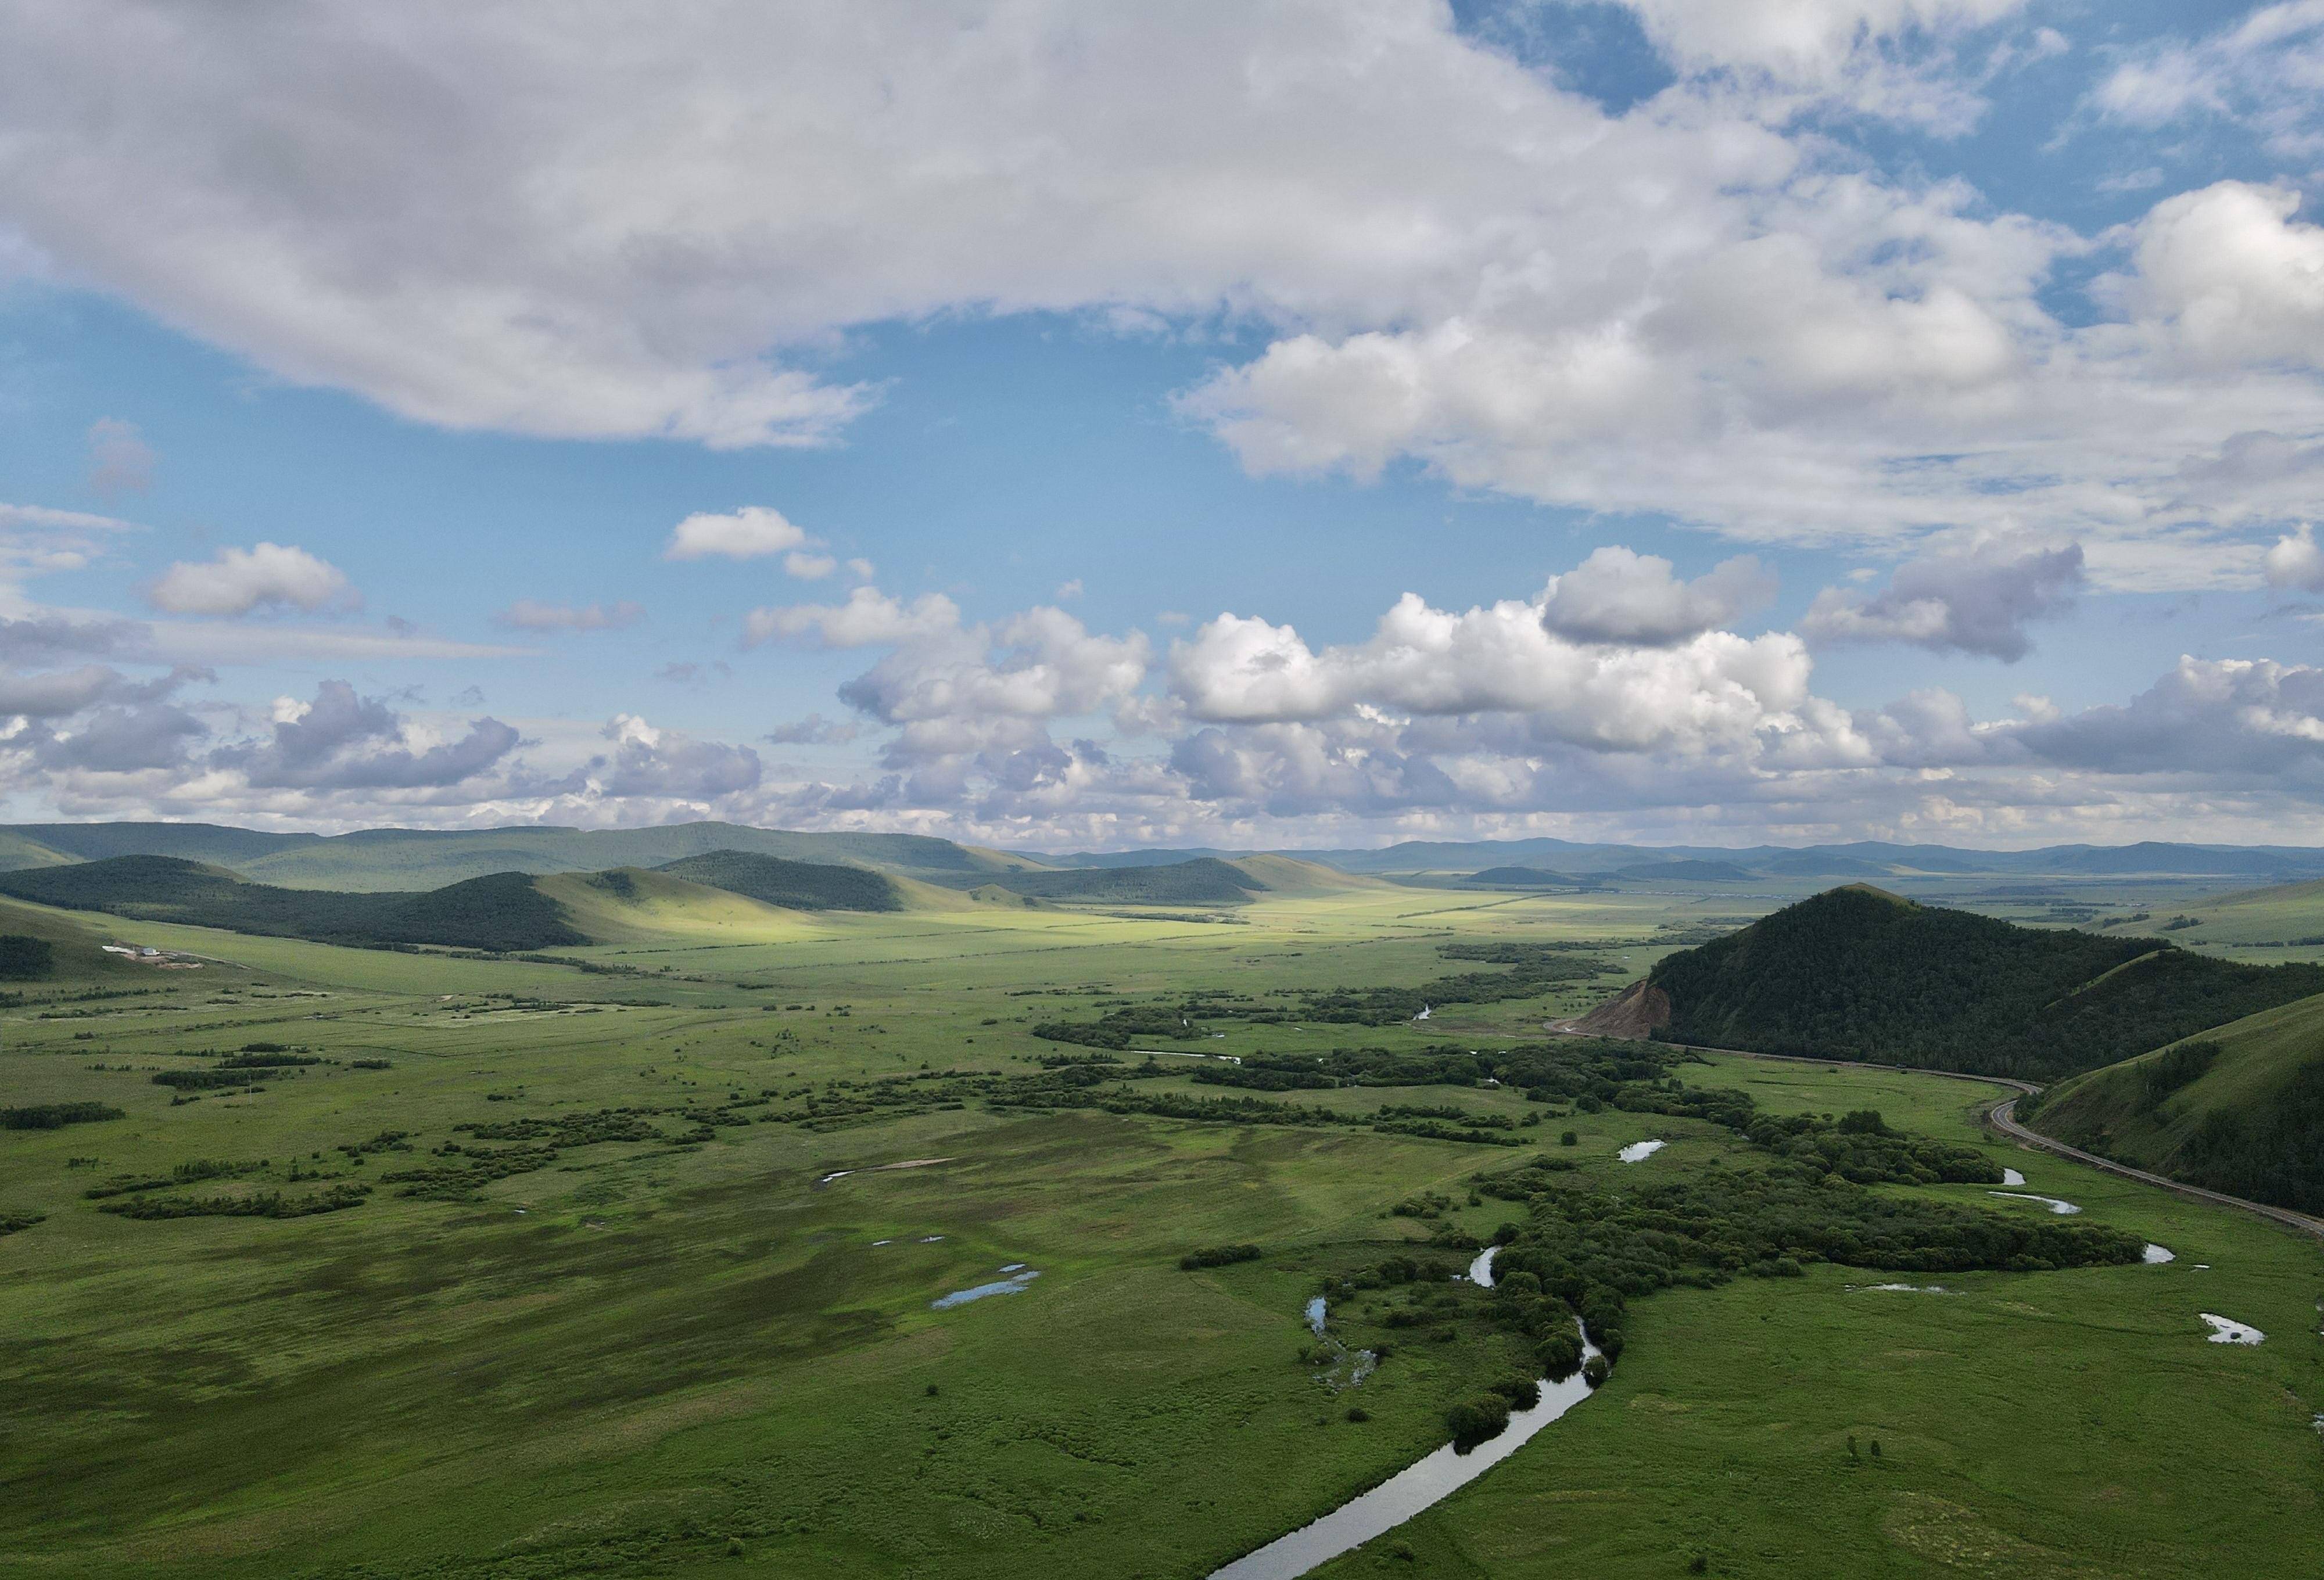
2240	1109
1858	973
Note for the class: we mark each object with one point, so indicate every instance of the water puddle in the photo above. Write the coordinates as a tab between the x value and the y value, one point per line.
1906	1289
1359	1363
2061	1207
1012	1267
881	1168
1481	1272
930	1240
1014	1285
1638	1152
2011	1177
2227	1330
1406	1493
1425	1013
1182	1053
879	1243
2155	1254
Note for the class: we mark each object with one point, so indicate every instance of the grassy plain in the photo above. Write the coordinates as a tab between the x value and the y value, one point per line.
670	1357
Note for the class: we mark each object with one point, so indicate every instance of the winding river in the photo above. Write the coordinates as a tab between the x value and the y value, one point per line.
1415	1487
1421	1483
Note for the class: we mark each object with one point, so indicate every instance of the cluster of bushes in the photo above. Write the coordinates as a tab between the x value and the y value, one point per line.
56	1115
214	1079
1593	1251
269	1058
1218	1256
12	1222
270	1204
1862	1148
538	1143
186	1174
1117	1029
471	1167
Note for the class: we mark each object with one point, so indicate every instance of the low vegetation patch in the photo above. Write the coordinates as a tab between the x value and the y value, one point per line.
56	1115
265	1204
1218	1256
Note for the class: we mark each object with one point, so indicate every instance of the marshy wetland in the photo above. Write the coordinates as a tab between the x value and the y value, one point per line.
653	1258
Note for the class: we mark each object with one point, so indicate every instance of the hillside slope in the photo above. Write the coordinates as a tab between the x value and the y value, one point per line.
502	912
1203	881
794	886
629	905
2240	1109
1858	973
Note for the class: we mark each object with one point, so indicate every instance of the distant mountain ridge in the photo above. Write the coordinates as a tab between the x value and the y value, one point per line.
421	859
502	912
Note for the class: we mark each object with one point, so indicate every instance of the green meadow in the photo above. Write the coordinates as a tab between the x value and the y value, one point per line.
633	1326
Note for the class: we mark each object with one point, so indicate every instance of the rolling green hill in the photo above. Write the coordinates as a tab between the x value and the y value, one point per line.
1859	973
794	886
1520	878
1204	881
500	911
375	860
2240	1109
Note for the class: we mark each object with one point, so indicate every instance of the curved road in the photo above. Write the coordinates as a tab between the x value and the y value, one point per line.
2003	1117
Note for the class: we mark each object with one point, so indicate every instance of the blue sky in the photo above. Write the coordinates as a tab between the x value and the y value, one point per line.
1283	425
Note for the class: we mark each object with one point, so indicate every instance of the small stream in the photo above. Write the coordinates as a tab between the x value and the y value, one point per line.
2054	1205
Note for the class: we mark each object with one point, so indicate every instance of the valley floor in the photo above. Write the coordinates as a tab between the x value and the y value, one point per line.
658	1352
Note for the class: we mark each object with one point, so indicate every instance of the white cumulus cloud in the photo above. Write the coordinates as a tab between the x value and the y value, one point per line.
752	532
238	581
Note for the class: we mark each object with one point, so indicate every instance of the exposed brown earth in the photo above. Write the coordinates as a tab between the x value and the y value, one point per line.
1638	1011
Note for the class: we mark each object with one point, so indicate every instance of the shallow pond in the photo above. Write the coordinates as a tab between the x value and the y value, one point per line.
1638	1152
2156	1254
1481	1272
1406	1493
1014	1284
2228	1331
2011	1177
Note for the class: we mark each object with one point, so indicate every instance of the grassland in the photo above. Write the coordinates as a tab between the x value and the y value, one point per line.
668	1354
